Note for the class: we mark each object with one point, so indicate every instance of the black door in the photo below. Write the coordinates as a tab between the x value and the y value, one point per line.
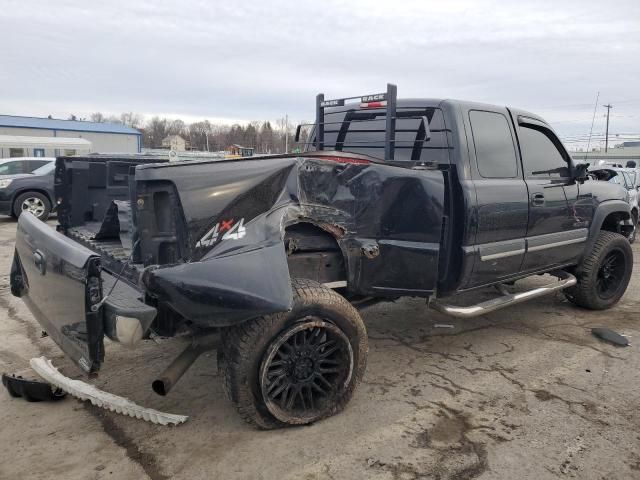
555	235
502	201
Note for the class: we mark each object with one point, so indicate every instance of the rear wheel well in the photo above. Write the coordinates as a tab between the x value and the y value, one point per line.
612	223
28	190
314	253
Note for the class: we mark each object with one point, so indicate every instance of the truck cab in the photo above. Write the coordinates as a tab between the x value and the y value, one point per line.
514	204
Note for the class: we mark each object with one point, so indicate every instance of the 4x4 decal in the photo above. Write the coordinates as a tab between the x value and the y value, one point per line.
226	228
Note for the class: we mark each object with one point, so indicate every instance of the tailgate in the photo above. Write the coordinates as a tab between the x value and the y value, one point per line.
59	281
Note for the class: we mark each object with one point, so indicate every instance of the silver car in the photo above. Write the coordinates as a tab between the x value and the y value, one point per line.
627	178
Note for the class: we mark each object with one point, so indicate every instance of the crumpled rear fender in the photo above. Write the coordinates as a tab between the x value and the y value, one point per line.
386	220
243	279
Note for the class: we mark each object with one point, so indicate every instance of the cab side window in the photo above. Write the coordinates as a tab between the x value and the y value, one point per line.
540	157
495	152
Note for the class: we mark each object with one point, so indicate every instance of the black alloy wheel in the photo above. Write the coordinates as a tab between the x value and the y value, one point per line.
604	274
611	274
304	368
299	366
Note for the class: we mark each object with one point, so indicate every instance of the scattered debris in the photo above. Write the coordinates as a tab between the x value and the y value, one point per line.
84	391
31	390
443	325
610	336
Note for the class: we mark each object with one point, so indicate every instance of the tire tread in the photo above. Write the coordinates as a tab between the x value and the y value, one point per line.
240	343
582	293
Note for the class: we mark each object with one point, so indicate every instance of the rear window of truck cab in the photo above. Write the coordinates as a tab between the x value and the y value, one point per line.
493	142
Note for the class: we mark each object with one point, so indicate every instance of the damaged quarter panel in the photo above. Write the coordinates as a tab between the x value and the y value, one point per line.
391	218
233	264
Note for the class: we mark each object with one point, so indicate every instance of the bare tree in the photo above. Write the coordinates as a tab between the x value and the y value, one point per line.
176	127
266	143
97	117
206	136
131	119
155	132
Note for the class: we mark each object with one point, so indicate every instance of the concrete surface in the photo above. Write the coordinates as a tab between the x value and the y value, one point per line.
522	393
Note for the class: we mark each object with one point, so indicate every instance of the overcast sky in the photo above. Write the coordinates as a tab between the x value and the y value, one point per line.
253	60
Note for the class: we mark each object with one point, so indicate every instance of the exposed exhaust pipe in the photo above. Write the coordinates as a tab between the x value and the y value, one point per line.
182	362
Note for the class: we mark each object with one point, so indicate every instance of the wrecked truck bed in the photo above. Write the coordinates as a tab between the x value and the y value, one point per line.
203	256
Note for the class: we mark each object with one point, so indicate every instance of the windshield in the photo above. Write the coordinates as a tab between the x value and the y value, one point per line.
43	170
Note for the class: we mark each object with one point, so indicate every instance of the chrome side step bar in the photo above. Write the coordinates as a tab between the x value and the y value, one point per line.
506	299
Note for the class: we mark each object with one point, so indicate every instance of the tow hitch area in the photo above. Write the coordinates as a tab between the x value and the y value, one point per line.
97	397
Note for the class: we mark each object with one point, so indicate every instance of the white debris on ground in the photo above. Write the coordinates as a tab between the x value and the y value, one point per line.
97	397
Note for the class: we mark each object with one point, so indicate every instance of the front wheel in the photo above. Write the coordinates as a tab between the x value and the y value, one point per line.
604	274
32	202
296	367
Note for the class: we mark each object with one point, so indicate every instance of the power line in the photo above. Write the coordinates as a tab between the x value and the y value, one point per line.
569	105
593	119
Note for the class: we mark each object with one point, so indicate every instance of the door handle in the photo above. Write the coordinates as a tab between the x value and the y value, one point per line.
537	199
40	261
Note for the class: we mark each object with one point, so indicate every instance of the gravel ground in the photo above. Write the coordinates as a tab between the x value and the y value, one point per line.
525	392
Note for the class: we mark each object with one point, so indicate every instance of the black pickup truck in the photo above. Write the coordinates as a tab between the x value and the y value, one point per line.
277	254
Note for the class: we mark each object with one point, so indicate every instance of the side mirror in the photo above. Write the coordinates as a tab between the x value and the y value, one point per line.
579	172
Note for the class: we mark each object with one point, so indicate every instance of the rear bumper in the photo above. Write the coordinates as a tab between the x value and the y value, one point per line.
126	318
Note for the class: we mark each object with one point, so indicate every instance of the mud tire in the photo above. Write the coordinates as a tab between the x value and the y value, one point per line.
246	347
589	292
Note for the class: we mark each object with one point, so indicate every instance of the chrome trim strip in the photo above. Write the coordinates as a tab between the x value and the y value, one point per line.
511	253
511	248
556	237
501	249
556	244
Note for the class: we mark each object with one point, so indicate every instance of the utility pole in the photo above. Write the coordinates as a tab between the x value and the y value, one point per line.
606	134
286	133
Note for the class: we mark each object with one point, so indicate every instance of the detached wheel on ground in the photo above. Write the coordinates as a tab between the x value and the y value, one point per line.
34	202
296	367
604	273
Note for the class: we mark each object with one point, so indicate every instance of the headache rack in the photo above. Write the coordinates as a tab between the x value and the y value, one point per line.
385	105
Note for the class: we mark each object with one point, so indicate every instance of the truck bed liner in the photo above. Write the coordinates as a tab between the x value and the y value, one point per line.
115	258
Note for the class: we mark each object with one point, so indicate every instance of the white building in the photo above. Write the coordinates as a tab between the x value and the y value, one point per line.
174	142
47	137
